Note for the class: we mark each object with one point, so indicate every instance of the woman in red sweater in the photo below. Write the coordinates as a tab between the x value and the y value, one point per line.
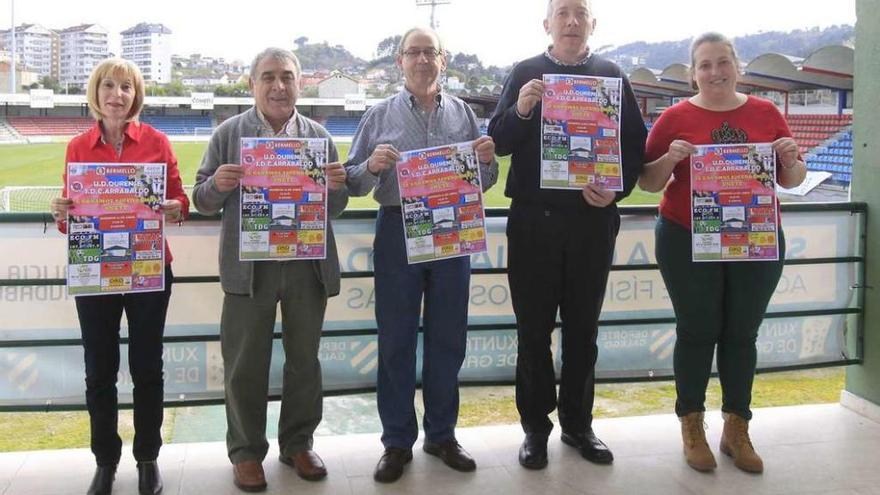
718	306
116	96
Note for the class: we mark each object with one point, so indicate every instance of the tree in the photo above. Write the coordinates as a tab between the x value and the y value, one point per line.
301	41
388	46
49	82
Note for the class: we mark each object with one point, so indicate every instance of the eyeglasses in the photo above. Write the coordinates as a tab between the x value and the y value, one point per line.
429	53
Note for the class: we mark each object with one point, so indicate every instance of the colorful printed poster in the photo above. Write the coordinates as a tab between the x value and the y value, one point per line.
442	202
733	203
580	132
283	199
115	232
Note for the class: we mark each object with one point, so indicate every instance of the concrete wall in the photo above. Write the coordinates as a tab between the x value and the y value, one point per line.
864	381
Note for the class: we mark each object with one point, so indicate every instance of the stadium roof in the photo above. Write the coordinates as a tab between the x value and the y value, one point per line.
835	60
818	71
830	67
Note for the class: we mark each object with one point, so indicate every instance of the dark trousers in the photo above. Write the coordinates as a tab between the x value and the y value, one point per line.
558	260
400	288
99	319
718	310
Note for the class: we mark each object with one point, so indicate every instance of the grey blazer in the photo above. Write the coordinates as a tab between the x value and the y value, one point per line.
236	277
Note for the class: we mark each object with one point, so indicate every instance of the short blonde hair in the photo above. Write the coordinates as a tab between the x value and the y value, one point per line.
116	68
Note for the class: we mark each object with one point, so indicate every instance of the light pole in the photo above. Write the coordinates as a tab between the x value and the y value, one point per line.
12	55
433	4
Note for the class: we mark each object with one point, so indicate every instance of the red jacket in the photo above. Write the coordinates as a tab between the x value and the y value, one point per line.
141	144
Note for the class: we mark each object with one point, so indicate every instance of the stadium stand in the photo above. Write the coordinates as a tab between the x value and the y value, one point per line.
342	126
179	125
825	142
835	155
8	134
51	126
812	130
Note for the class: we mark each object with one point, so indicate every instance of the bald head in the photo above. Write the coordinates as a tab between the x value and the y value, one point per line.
550	6
420	30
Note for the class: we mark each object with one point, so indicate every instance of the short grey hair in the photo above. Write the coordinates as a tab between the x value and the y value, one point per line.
277	54
550	8
710	37
424	30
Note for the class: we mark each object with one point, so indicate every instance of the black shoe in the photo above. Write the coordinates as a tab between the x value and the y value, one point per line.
149	479
390	466
533	452
102	482
452	454
591	448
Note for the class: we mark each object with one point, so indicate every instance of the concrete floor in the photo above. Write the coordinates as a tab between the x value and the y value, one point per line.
822	449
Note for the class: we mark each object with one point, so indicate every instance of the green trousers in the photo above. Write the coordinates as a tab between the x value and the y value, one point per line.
246	328
718	310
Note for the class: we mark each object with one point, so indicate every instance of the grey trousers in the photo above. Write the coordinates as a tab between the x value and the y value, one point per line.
246	328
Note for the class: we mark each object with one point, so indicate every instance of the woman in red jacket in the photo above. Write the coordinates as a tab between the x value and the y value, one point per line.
116	96
717	305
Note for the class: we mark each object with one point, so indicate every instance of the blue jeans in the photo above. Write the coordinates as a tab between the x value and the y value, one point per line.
399	290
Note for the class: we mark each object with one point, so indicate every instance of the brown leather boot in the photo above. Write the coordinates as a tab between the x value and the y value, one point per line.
736	443
693	436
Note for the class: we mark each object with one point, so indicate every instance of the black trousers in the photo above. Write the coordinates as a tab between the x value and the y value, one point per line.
558	260
99	319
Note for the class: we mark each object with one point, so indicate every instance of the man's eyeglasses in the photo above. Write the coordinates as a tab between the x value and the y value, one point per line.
429	53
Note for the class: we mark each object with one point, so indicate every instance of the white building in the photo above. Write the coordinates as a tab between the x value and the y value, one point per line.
337	85
33	47
82	48
149	46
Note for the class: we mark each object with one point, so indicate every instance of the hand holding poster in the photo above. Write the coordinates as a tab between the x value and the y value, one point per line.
580	132
115	233
733	203
442	202
283	199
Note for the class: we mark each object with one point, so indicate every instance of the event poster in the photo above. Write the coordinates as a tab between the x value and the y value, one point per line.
442	202
283	199
115	231
733	203
580	132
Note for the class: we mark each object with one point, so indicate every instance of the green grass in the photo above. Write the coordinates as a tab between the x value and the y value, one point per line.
42	165
480	406
495	405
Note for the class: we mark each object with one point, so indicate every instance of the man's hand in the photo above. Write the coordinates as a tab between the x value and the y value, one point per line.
529	96
335	173
597	196
485	148
385	156
228	177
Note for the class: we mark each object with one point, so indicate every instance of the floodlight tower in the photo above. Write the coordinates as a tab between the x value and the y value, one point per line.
433	4
12	55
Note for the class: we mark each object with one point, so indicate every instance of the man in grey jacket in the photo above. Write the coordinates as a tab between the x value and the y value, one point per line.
253	289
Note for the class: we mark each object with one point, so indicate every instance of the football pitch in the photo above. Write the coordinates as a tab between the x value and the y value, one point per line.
42	165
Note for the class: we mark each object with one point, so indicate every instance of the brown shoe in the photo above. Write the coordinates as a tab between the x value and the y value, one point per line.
307	464
736	443
693	436
249	476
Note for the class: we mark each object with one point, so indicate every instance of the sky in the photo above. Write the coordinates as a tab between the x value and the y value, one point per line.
500	32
